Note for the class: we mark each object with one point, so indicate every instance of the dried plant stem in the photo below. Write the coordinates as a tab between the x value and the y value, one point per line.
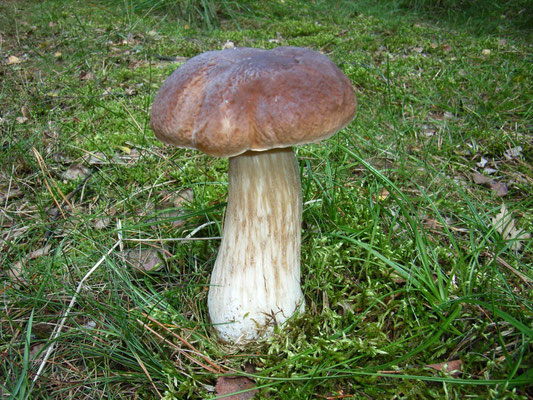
46	176
59	327
218	368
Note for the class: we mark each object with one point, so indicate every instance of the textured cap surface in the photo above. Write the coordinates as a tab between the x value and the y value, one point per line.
230	101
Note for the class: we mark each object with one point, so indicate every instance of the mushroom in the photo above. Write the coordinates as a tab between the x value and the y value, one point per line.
253	105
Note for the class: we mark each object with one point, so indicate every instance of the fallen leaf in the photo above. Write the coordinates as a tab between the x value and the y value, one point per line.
183	197
86	75
144	259
96	158
12	60
500	189
226	385
172	207
504	224
36	353
515	152
450	367
383	194
102	223
21	120
58	54
481	179
76	171
25	112
485	52
16	269
482	162
446	48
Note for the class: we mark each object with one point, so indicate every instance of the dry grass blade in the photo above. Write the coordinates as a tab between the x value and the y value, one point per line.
141	364
46	177
216	370
505	264
186	343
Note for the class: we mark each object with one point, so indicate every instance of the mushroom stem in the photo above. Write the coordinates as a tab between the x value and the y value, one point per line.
255	283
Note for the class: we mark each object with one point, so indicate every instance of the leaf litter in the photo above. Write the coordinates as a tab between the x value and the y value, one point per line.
505	225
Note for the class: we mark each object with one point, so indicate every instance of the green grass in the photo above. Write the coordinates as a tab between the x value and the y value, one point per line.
402	265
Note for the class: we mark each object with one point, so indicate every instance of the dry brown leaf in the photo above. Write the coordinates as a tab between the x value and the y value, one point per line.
16	268
12	60
44	251
450	367
515	152
86	75
383	194
232	384
499	188
76	171
97	158
102	223
172	207
183	197
504	224
481	179
144	259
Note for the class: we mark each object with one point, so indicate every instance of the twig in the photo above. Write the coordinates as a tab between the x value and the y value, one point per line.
185	239
59	327
195	230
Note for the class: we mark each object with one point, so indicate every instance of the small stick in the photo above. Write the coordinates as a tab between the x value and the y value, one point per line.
185	239
195	230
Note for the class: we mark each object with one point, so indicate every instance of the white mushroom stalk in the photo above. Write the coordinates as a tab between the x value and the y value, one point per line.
255	283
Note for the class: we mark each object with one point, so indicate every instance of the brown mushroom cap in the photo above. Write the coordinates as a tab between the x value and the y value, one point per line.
227	102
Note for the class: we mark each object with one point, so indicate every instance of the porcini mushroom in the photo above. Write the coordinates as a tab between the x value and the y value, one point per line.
253	105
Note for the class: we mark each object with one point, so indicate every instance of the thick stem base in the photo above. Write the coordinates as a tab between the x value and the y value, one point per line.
255	283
